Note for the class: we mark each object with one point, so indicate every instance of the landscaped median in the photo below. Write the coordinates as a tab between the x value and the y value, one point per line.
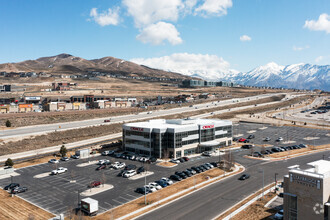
138	207
294	153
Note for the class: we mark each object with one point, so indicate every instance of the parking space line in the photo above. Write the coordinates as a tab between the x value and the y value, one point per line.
124	198
117	201
132	196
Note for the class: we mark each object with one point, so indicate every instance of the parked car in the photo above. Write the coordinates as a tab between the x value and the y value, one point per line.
107	120
175	177
257	154
251	136
175	161
94	184
181	160
154	184
130	173
279	215
207	153
53	161
209	164
19	190
267	139
142	190
167	180
244	177
119	165
162	183
121	173
303	145
180	174
279	139
130	167
64	158
197	169
275	149
140	170
75	156
59	170
11	186
242	140
150	188
132	157
206	167
185	158
247	146
103	161
215	164
101	167
152	160
187	173
192	171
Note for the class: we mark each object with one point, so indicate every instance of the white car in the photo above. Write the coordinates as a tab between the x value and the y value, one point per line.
59	170
210	165
151	188
105	153
175	161
103	162
130	173
158	187
279	139
64	158
279	215
53	161
167	180
119	165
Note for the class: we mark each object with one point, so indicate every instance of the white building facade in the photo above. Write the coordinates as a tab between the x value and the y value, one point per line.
177	137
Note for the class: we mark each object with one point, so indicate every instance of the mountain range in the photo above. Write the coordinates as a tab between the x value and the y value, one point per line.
69	64
298	76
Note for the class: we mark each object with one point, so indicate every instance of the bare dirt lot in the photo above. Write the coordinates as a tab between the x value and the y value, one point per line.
13	208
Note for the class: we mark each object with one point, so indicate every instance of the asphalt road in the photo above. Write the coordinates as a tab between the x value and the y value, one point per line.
42	129
213	200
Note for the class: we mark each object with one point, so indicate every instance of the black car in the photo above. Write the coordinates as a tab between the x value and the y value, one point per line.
302	145
251	136
189	174
142	190
19	190
247	146
181	160
152	160
130	167
269	151
140	170
235	139
121	173
11	186
206	167
275	149
202	168
181	174
215	164
196	169
284	148
175	177
257	154
244	177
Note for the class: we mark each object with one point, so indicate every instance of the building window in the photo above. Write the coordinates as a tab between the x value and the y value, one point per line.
292	207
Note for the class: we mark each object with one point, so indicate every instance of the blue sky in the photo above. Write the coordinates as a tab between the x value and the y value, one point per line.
222	34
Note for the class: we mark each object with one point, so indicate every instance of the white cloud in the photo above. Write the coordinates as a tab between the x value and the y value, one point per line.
244	38
214	7
300	48
322	24
110	17
159	32
208	66
319	59
146	12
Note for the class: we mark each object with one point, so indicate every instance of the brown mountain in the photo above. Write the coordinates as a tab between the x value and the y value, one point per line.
68	64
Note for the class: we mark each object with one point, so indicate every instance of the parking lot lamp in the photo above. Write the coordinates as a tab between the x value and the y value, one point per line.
11	179
275	182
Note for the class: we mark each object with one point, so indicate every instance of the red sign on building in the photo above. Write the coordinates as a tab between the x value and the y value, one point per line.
136	129
208	126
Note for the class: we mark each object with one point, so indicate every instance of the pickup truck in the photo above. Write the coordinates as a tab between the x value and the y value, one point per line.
59	170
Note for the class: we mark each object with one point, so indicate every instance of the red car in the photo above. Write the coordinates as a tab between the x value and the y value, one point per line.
106	120
94	184
242	140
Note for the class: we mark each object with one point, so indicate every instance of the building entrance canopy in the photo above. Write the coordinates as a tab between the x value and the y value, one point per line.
209	144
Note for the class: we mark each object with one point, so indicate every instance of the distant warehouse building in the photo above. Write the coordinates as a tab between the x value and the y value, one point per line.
307	192
176	138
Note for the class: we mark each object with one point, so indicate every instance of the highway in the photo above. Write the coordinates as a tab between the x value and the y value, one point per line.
214	199
46	128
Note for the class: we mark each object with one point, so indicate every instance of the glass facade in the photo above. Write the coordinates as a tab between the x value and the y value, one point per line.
292	207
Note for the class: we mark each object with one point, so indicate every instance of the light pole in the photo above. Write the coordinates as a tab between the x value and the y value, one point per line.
275	182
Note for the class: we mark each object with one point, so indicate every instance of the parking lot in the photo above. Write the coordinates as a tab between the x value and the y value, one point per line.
58	195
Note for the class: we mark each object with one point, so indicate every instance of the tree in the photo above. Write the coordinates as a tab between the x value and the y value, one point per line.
63	151
8	123
9	162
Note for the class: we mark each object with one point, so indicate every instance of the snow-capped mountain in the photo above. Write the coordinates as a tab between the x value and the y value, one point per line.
299	76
